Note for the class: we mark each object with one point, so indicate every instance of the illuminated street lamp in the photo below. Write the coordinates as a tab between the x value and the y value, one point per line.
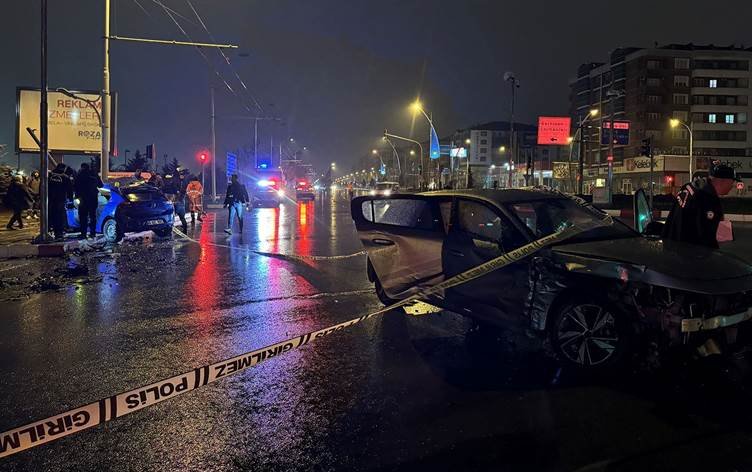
674	123
580	173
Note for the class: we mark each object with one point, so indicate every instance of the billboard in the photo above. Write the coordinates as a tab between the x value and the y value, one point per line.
554	130
621	132
73	125
231	166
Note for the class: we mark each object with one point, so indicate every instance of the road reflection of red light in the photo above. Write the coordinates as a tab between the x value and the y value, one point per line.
303	231
204	283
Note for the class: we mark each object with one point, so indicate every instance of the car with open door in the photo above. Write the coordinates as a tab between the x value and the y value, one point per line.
595	298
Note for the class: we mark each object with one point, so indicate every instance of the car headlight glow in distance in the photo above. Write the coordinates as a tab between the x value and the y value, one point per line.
264	183
387	192
281	193
372	192
333	187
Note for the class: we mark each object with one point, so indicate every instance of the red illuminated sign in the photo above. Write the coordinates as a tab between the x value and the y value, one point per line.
554	130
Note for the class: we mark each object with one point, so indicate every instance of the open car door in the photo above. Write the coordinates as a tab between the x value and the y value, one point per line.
643	214
403	235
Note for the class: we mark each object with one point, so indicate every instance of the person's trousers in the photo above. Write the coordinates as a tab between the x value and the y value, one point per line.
237	209
87	216
180	212
16	218
57	218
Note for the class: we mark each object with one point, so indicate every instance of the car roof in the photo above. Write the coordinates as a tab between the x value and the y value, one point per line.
499	196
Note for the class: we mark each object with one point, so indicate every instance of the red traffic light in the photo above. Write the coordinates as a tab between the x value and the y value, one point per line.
203	157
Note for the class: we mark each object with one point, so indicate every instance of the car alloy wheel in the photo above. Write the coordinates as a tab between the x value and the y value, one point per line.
109	229
588	335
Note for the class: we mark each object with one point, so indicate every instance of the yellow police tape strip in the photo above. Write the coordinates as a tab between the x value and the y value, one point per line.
270	254
116	406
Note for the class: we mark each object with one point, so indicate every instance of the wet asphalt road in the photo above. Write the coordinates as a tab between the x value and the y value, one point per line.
395	392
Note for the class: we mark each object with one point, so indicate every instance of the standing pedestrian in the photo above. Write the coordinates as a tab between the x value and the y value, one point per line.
175	190
87	185
156	181
697	211
195	192
18	198
236	197
35	182
60	190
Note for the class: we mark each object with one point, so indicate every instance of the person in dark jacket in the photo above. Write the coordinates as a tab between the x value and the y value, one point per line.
87	184
18	198
34	185
175	191
235	198
697	211
60	189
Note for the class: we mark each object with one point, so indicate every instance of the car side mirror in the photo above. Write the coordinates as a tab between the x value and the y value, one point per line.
654	229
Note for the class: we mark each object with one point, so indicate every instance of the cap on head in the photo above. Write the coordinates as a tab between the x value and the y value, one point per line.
722	171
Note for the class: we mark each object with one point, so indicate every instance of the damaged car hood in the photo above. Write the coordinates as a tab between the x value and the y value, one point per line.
668	264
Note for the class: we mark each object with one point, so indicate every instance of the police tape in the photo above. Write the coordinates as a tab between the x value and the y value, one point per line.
270	254
125	403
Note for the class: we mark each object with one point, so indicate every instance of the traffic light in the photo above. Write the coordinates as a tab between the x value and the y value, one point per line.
646	148
203	157
669	179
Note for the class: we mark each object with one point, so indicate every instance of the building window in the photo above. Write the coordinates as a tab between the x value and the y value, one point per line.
654	82
743	100
681	115
653	64
654	116
484	133
742	83
654	99
679	133
681	63
713	83
712	118
681	99
741	118
681	81
484	141
482	158
483	150
729	119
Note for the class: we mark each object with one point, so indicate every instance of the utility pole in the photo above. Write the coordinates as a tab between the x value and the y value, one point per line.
581	170
514	83
255	143
213	149
44	228
105	156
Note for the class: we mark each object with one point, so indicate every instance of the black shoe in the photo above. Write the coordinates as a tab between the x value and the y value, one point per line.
9	228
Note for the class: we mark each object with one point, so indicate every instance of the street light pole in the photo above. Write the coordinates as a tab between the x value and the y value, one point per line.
396	154
581	151
213	150
104	160
420	146
44	228
674	123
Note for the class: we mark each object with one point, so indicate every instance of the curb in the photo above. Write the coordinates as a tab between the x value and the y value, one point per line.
31	250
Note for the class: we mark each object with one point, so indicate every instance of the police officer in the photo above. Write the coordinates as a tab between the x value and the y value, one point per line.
59	191
87	184
697	211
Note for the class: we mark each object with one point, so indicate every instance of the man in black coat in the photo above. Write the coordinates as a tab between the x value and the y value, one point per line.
236	197
18	198
87	186
60	189
697	211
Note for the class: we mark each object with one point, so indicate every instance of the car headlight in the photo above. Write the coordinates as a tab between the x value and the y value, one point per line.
281	193
387	193
372	192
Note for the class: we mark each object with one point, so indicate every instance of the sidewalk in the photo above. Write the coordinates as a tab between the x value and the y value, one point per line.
17	242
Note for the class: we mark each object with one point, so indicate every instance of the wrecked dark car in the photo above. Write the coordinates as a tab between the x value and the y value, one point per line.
594	298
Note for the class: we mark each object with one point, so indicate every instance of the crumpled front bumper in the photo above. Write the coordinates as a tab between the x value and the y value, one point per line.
693	325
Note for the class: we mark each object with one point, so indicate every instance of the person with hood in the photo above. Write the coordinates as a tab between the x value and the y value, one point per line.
697	212
18	198
195	191
34	184
236	197
87	184
156	181
60	190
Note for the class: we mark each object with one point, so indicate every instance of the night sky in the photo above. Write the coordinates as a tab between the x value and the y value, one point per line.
338	72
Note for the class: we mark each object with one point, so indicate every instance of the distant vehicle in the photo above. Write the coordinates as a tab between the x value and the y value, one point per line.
304	190
269	189
595	297
385	188
127	209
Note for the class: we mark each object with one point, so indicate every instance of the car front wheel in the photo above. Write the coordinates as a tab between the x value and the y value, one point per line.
589	335
110	230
